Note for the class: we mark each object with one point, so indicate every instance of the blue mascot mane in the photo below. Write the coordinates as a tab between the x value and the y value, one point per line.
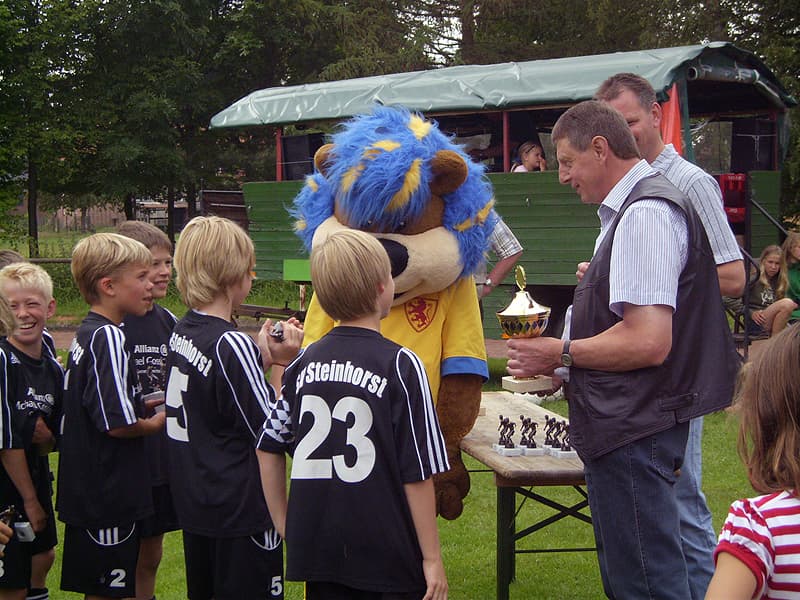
379	174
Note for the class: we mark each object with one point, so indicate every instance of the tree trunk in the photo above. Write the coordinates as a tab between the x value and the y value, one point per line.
720	30
191	201
33	201
468	54
130	208
171	214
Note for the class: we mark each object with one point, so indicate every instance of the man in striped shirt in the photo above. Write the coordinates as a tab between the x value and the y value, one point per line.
634	97
506	246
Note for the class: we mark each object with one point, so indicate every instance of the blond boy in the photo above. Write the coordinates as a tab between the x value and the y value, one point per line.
147	337
356	413
217	400
31	403
103	480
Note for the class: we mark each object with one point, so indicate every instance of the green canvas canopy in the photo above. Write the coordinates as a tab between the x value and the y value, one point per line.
506	86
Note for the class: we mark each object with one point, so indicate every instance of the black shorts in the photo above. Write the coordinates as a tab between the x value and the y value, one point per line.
100	562
241	568
325	590
47	538
15	566
164	518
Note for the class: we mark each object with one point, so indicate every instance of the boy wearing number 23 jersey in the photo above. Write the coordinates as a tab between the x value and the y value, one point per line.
216	402
356	414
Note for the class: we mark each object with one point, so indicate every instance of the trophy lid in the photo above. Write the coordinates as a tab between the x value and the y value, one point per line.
523	304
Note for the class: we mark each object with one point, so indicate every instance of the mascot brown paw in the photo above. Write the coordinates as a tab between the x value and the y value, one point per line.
457	408
451	488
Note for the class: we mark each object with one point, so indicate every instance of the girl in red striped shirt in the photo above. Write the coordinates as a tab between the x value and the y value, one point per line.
758	555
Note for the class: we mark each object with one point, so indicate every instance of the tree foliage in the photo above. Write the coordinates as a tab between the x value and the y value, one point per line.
107	100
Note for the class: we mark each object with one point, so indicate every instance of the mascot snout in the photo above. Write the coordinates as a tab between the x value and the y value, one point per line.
398	256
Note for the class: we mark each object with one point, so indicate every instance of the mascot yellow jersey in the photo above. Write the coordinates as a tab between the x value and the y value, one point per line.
443	328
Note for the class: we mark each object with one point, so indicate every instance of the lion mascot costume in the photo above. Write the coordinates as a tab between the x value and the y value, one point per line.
397	176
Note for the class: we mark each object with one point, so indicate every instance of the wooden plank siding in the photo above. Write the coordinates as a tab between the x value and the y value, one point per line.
271	226
555	229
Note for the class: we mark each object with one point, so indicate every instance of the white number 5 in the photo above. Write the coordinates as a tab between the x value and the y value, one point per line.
304	467
177	384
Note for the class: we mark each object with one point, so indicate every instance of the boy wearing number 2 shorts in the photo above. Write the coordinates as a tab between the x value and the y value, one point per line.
216	402
103	480
357	416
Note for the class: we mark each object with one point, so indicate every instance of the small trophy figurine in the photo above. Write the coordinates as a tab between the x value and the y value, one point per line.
524	318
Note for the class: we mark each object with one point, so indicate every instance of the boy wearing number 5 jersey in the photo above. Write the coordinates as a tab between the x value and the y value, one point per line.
356	414
216	402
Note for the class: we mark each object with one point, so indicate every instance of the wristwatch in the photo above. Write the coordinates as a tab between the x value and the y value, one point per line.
566	357
488	282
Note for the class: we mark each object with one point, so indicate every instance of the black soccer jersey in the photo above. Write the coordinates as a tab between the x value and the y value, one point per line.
29	389
11	387
102	480
49	344
217	400
357	415
146	338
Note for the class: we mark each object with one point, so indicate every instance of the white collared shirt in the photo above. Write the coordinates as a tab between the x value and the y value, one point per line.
650	246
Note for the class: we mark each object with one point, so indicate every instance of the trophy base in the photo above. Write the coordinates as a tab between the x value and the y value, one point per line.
527	385
533	452
564	453
503	451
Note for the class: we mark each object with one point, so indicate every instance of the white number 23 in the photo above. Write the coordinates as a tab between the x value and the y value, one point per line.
304	467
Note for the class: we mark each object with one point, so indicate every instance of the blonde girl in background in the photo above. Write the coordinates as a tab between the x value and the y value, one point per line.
530	157
769	310
790	268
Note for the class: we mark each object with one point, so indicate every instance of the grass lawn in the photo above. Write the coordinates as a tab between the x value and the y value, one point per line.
469	542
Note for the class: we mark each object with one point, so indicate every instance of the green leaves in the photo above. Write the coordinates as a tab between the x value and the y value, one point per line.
112	98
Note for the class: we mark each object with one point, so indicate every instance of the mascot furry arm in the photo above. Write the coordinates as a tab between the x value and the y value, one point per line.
395	175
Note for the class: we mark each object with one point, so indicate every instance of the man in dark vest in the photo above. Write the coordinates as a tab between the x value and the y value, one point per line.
650	349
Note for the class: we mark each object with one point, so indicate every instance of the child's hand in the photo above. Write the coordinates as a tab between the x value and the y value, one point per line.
43	438
435	579
152	401
155	423
280	350
295	321
5	536
35	514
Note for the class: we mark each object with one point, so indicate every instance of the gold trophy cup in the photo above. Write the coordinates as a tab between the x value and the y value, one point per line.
524	318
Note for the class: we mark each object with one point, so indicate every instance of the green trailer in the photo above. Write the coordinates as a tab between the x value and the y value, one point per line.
724	109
